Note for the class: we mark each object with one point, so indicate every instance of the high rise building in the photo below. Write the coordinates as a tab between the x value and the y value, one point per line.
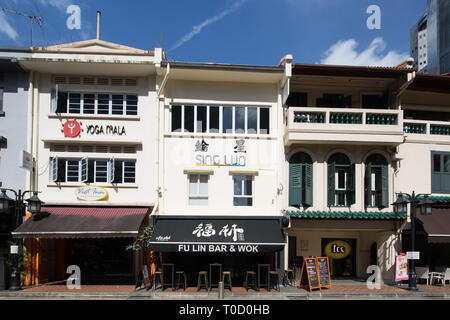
430	39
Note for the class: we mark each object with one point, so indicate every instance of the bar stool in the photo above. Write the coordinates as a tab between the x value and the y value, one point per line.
157	275
204	275
227	274
289	280
250	280
274	283
179	281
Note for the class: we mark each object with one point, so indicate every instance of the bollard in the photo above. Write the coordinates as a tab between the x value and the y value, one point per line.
221	290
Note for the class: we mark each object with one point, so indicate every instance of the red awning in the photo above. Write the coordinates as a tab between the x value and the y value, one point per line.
437	224
83	222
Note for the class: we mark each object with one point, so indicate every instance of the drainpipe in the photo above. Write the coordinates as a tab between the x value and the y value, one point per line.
160	111
30	125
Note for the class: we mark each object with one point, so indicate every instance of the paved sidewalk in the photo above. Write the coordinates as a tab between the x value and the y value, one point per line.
339	290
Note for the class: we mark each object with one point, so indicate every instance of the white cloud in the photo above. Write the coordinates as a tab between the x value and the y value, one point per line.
198	28
6	28
344	53
60	4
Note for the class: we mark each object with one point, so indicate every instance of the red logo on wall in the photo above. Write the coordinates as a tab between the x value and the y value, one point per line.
71	128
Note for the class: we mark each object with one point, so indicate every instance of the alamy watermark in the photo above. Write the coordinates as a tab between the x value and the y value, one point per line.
74	280
74	19
374	281
374	20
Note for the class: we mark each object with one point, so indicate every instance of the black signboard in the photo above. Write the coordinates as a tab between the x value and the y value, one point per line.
324	272
217	234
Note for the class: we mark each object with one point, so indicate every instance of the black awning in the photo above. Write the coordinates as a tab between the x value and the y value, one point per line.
217	234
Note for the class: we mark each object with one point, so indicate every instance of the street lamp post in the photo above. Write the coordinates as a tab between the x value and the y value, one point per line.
400	206
34	206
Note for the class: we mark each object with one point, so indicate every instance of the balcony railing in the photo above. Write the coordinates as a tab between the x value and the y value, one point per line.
425	127
344	124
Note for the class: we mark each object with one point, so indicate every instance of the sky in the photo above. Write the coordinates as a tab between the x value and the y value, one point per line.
247	32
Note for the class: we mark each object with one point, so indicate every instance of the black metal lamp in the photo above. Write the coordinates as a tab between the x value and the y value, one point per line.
400	205
425	205
34	203
4	201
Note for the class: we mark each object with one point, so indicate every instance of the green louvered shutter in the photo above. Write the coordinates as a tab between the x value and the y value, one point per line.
351	185
368	186
384	186
308	184
331	184
295	184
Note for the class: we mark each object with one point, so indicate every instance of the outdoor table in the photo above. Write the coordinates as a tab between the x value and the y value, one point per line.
172	271
211	268
262	266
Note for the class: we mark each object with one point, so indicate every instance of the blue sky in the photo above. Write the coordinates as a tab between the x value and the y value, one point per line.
255	32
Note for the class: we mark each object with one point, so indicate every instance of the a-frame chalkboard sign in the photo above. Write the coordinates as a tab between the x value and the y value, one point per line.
315	273
309	274
324	272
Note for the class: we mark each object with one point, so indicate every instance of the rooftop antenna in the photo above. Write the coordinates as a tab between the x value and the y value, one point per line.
39	21
98	24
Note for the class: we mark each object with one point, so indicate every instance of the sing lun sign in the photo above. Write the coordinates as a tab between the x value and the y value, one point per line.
91	193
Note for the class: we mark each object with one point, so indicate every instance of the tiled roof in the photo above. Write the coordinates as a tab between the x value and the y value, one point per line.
373	215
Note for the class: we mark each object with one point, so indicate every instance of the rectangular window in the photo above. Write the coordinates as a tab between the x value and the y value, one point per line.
103	104
198	189
176	118
94	103
117	104
129	171
264	120
89	103
440	172
227	120
101	170
214	119
252	120
243	190
201	119
132	102
1	102
74	103
72	170
239	122
188	118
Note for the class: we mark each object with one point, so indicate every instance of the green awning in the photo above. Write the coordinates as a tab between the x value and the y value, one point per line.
365	215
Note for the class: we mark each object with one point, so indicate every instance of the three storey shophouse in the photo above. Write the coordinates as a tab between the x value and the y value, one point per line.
94	115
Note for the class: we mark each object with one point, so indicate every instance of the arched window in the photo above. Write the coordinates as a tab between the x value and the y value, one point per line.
341	181
300	180
376	182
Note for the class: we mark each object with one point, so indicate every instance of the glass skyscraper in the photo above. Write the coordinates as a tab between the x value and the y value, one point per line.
430	39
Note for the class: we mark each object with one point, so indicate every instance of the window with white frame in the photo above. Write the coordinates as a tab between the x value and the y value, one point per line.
198	189
220	119
87	170
243	190
94	103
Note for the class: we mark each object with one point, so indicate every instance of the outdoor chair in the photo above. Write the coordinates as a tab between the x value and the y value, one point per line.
442	277
181	280
274	283
225	275
423	273
250	280
202	275
289	277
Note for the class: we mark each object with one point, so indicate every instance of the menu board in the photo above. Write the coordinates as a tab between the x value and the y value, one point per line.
310	273
324	272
